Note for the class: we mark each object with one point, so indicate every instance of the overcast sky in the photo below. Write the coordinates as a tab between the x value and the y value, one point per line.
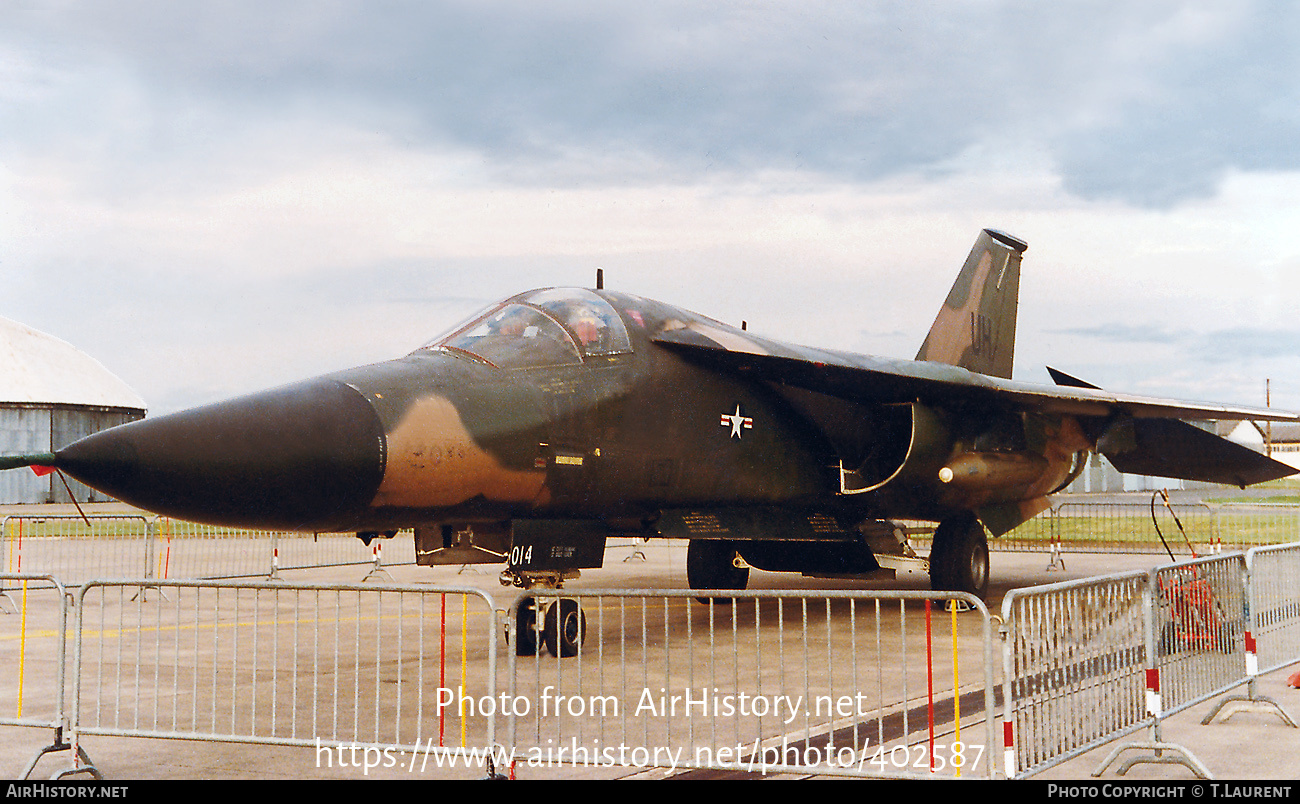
215	198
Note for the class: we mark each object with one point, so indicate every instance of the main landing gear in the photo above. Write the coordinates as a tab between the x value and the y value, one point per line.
714	564
959	559
545	620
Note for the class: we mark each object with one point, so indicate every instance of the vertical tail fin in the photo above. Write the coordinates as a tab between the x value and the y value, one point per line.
976	327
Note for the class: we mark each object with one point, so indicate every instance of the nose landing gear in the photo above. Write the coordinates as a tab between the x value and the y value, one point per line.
545	620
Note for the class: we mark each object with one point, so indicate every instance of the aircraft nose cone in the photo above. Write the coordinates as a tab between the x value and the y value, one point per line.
307	457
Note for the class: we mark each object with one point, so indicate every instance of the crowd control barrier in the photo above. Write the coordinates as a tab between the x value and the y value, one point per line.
830	683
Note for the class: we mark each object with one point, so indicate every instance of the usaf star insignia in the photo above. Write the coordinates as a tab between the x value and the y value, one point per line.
736	421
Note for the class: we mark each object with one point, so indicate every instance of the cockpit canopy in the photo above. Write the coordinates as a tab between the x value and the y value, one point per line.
541	328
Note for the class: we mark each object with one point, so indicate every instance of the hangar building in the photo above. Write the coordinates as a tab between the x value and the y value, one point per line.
51	394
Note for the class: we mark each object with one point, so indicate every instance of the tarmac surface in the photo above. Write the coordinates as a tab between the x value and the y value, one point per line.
1250	745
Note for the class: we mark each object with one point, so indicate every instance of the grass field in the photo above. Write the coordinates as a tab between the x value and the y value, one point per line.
1081	525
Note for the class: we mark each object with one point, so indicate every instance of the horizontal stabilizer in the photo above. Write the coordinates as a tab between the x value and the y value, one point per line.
1171	448
1061	378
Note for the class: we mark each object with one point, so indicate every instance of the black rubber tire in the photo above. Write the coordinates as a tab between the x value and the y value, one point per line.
525	635
565	628
710	564
959	559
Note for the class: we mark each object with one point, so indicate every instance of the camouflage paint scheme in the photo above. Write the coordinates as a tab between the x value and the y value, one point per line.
579	406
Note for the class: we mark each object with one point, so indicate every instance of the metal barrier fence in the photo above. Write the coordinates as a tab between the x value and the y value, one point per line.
1243	525
1117	527
830	683
833	683
77	549
194	550
306	550
1110	527
33	646
1199	616
339	668
1073	663
1087	662
1198	631
1274	574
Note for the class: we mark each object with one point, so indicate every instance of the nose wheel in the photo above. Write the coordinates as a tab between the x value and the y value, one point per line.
565	628
525	628
561	627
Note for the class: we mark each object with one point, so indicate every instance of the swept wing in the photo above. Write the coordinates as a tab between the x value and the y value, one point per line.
867	378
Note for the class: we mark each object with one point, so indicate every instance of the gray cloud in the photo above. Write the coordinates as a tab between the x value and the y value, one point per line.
1234	345
1124	333
1231	100
1218	346
1149	105
205	176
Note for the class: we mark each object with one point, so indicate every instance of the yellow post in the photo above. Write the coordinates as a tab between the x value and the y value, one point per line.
464	657
956	689
22	651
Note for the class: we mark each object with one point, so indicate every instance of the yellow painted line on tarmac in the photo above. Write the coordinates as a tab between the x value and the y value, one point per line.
43	634
608	606
118	632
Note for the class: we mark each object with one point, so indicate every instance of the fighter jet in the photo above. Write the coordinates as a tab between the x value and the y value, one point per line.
559	417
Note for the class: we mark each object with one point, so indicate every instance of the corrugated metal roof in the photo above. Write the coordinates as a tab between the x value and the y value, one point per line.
36	368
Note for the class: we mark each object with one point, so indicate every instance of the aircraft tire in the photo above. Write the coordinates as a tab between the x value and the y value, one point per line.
565	628
710	564
525	635
959	559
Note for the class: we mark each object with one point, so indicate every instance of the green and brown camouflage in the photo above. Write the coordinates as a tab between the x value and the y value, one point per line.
976	326
560	416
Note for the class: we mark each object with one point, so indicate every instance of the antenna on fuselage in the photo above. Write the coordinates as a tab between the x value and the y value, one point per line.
600	279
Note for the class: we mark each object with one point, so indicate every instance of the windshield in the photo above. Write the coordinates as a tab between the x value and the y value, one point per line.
544	328
597	327
515	336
